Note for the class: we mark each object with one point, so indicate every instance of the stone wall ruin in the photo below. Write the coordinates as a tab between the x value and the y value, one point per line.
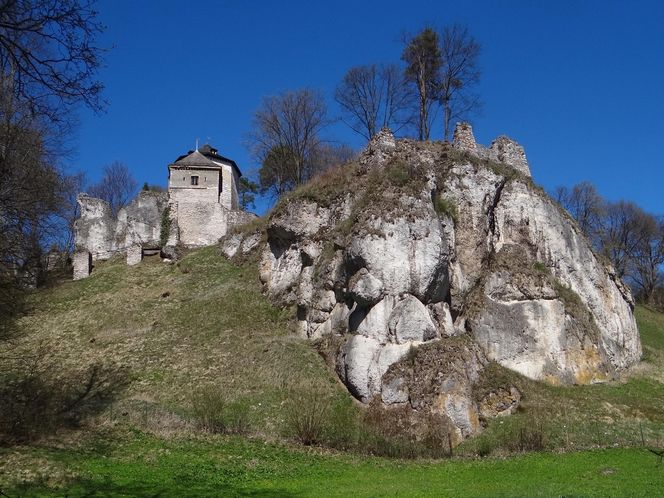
502	150
136	230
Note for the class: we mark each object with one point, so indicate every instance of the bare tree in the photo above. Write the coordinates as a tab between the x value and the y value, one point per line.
47	49
117	186
34	205
277	172
48	63
585	204
632	239
423	60
459	73
286	133
622	231
327	156
70	212
647	257
374	96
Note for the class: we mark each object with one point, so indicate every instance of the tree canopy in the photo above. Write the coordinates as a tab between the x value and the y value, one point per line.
374	96
286	133
423	59
48	65
117	186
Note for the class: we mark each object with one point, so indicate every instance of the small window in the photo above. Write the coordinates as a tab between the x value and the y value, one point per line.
194	180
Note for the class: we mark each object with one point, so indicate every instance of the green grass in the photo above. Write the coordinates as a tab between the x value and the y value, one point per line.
651	328
140	465
179	331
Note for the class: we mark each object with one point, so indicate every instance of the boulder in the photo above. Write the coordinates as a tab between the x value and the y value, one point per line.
410	321
365	289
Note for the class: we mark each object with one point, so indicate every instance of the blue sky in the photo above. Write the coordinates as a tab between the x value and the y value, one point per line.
579	84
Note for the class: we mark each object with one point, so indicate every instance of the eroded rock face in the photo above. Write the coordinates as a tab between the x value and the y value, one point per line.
429	263
137	225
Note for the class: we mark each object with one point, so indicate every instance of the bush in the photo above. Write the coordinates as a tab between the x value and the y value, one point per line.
540	267
213	413
446	207
208	409
528	439
237	418
484	447
400	432
307	416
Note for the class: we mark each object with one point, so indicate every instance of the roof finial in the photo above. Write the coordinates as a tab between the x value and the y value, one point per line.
196	143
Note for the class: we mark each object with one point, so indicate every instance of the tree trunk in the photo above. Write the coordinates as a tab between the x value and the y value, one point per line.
446	135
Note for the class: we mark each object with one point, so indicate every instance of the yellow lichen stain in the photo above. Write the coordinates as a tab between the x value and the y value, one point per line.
551	380
443	404
590	366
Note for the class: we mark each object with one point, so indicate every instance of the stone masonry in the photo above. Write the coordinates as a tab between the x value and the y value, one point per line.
202	203
503	149
82	264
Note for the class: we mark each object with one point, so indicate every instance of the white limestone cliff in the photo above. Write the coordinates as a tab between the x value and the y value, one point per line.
428	261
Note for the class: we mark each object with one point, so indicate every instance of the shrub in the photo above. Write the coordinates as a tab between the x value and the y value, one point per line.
208	406
306	416
540	267
400	432
213	413
484	447
446	207
236	416
528	439
165	228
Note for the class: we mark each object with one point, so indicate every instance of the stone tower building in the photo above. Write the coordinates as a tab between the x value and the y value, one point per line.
202	190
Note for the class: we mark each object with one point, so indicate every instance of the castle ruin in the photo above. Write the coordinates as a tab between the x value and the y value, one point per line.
201	204
502	150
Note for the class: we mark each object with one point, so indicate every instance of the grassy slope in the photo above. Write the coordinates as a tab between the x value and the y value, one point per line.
204	322
177	329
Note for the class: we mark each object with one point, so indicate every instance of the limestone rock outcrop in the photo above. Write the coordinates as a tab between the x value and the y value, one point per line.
427	262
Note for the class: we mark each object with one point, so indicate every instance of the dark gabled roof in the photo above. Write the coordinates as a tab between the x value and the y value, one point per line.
204	157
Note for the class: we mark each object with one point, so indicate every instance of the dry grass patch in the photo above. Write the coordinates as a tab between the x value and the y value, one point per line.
174	332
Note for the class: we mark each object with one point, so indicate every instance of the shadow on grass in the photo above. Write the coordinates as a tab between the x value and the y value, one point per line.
12	306
105	486
37	399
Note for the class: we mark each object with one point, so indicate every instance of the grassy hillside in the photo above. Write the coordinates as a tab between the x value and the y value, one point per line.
131	371
167	334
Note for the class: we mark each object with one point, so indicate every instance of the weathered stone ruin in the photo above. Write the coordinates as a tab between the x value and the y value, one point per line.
200	206
203	196
503	149
424	264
